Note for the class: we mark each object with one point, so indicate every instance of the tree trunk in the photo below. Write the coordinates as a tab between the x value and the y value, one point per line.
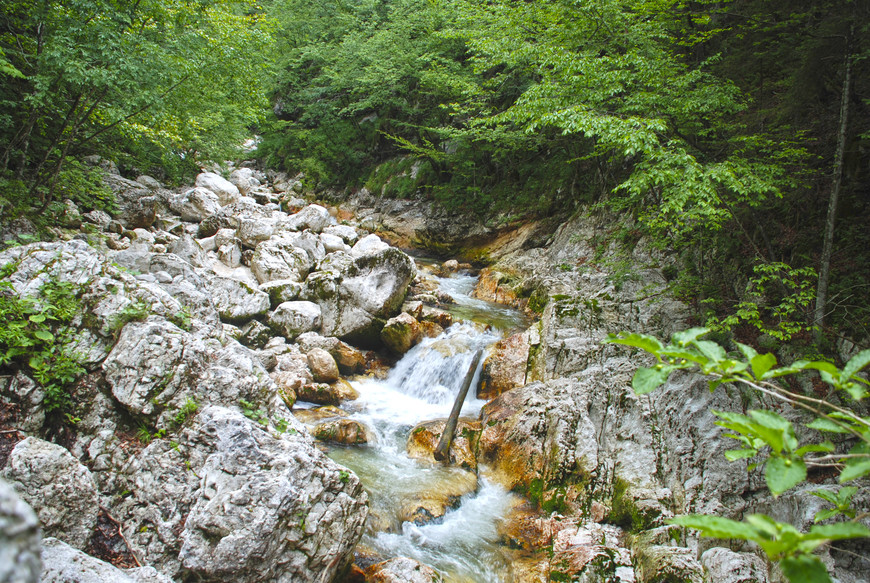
828	245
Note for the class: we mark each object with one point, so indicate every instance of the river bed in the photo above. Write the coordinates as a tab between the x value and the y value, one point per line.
463	544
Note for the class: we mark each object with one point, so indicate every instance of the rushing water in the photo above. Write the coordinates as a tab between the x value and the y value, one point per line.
462	545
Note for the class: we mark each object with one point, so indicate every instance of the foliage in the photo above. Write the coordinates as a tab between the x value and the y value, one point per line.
796	292
174	78
37	339
771	440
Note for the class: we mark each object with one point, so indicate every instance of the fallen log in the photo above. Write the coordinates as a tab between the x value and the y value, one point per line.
443	448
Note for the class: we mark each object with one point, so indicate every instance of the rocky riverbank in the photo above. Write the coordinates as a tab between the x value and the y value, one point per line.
205	313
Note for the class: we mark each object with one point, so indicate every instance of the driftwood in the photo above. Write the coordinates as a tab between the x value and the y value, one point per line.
441	452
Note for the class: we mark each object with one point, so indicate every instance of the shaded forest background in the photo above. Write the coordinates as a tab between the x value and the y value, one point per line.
720	130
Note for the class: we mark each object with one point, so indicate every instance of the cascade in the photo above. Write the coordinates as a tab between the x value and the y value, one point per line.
463	543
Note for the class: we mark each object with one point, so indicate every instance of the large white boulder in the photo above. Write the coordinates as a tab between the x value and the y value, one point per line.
19	539
226	191
59	488
195	204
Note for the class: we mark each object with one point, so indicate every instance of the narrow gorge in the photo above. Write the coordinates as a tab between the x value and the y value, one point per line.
264	379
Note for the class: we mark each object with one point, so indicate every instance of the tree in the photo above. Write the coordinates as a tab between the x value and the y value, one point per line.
102	74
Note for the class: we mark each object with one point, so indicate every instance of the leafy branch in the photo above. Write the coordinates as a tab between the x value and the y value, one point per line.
771	439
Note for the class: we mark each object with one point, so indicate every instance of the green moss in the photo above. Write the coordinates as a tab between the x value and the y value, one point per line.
624	511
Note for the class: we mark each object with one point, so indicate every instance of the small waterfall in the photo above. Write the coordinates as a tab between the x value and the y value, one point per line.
463	543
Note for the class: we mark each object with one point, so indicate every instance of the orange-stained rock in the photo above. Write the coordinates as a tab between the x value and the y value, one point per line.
433	502
402	570
425	436
314	416
401	333
505	367
323	366
498	287
343	431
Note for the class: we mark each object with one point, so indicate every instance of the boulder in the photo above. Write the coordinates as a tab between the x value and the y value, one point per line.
20	550
425	436
318	414
293	318
349	359
368	245
361	294
279	258
195	205
434	500
347	233
505	367
400	333
59	488
333	243
723	565
226	191
243	179
313	217
234	501
65	564
255	334
319	393
237	301
402	570
667	563
188	249
322	365
149	182
138	206
282	290
254	230
343	431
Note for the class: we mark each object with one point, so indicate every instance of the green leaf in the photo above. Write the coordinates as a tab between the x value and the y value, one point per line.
647	380
825	514
761	364
825	446
717	526
747	350
710	349
687	336
822	424
783	473
838	531
37	318
804	569
739	454
855	468
856	363
44	335
642	341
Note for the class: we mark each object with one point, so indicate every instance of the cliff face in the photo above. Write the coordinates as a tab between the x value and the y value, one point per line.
578	440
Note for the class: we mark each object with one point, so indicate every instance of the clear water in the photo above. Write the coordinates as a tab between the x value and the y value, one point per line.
463	545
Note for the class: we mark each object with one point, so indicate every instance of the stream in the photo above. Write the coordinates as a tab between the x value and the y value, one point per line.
463	544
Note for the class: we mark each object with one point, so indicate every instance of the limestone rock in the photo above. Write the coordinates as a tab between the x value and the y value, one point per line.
226	192
254	230
333	243
313	217
318	393
349	359
322	365
505	367
400	333
250	505
667	563
723	565
425	436
65	564
57	486
361	294
293	318
237	301
343	431
318	414
255	334
434	500
279	258
368	245
402	570
195	205
347	233
19	539
282	290
137	204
